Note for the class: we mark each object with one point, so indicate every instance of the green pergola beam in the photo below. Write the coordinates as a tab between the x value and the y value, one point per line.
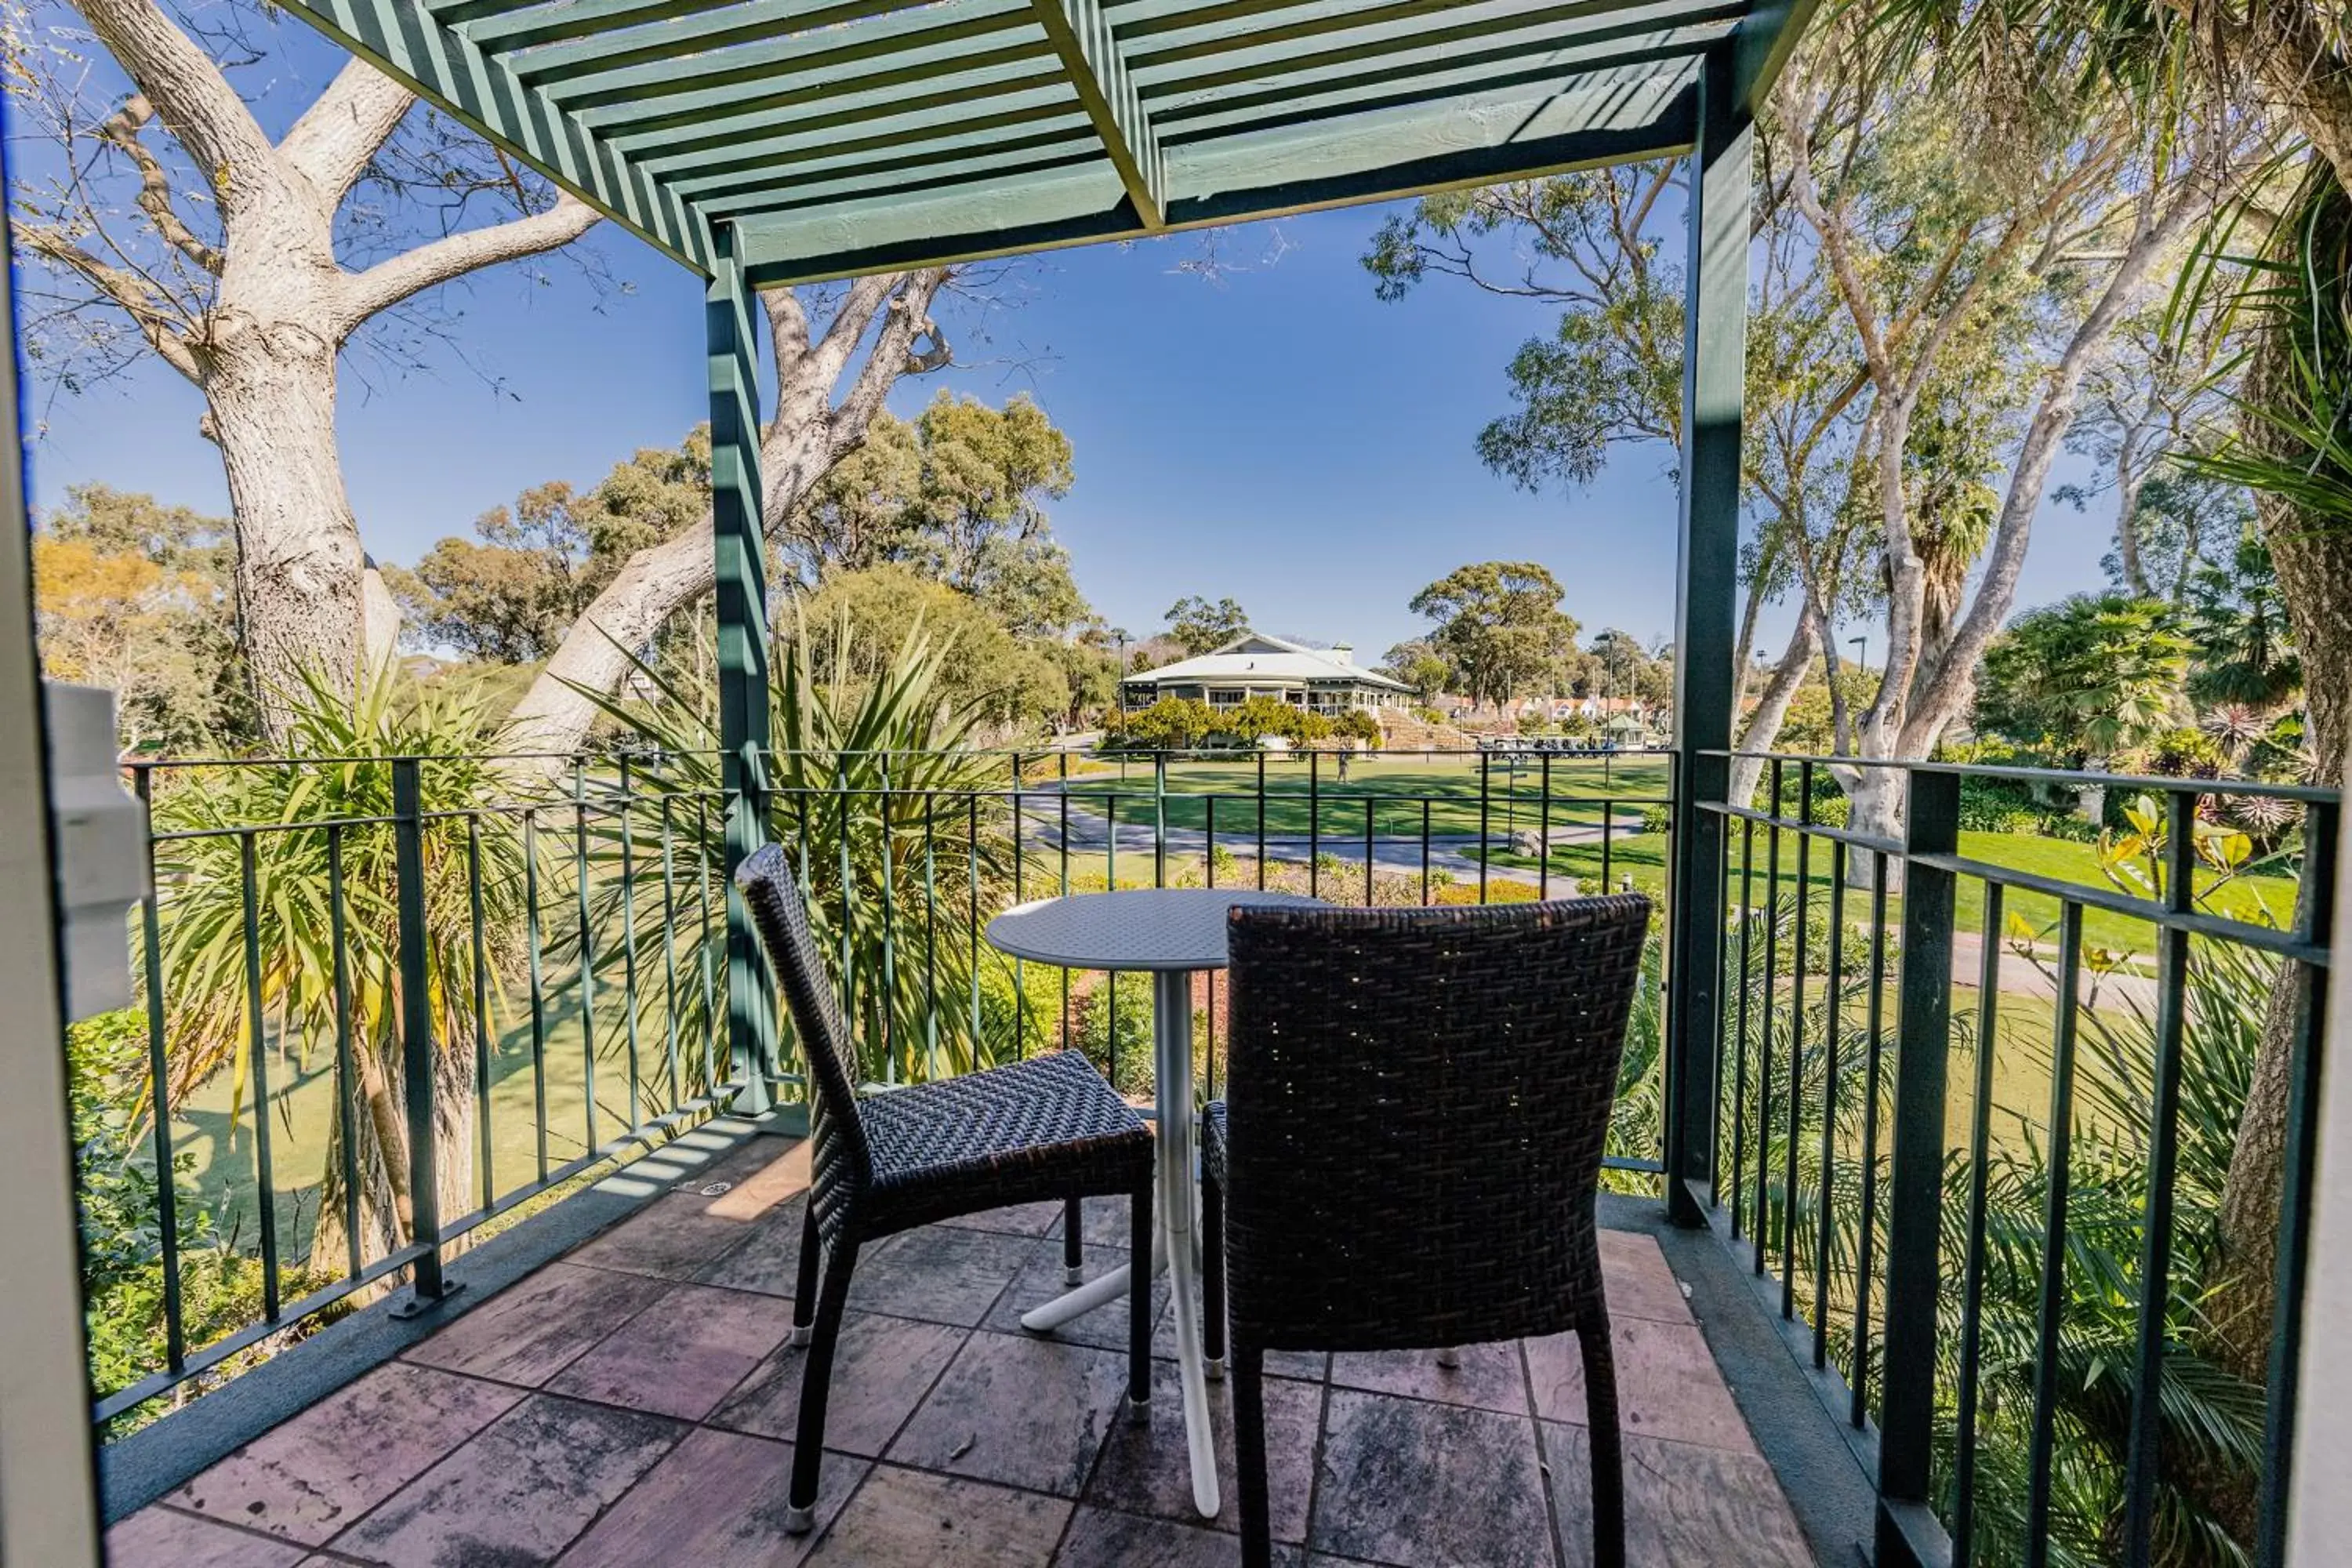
1440	148
482	94
1766	40
1090	57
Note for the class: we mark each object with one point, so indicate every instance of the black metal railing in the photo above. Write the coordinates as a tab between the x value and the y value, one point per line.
1991	1223
390	1000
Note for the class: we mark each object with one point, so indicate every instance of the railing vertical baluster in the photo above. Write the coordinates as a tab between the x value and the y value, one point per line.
1020	895
419	1054
2146	1452
1739	1035
1972	1274
1261	819
1209	875
1608	835
637	1115
1368	805
481	988
2042	1451
1770	1004
1833	1021
930	934
1064	887
710	1035
1159	819
890	925
1797	973
256	1047
538	982
2315	924
1543	834
1485	816
1314	825
159	1077
1866	1256
669	950
1424	849
346	1073
1906	1438
971	842
587	950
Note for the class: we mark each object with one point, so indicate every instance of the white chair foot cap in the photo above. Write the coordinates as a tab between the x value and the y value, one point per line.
801	1336
799	1520
1073	1275
1214	1371
1138	1411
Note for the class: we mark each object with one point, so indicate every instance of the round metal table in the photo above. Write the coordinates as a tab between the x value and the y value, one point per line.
1171	934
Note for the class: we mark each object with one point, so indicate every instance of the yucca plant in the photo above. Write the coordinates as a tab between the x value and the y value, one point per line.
322	861
898	832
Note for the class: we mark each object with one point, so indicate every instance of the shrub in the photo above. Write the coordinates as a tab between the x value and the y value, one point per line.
1170	724
1657	818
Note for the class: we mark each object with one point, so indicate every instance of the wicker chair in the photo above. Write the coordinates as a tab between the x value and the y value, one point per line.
1419	1100
1046	1128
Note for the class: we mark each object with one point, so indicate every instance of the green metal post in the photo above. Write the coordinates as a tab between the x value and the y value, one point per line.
1715	331
738	539
418	1052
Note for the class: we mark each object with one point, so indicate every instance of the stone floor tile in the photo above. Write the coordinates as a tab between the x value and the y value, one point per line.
683	1354
1102	1540
1040	1281
1667	1384
1027	1412
939	1273
1408	1482
1685	1506
1638	1280
674	1237
717	1500
881	1370
1103	1221
520	1492
1020	1219
1488	1376
910	1518
768	1258
315	1474
160	1537
762	1173
1147	1468
530	1331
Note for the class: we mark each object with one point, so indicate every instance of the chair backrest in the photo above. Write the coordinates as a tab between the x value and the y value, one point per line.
1417	1104
841	1163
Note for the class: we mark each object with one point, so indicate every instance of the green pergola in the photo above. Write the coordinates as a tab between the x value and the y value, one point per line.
776	142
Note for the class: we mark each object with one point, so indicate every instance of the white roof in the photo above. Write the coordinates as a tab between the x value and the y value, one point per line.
1255	656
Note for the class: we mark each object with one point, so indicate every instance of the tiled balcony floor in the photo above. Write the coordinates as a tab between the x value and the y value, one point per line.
633	1404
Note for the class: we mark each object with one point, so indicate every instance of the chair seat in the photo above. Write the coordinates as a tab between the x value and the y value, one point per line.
1043	1128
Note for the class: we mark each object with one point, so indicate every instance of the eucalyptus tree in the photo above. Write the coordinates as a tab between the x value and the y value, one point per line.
161	221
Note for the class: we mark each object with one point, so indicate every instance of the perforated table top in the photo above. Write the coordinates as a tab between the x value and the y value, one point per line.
1158	929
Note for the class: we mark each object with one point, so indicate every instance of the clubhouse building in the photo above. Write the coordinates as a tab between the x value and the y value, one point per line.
1323	680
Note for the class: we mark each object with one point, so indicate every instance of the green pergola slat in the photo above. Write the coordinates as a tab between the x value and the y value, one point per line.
608	21
1328	95
818	197
727	42
482	94
885	123
765	174
1091	57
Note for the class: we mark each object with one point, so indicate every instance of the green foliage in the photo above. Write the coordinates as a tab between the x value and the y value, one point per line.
1499	623
1170	724
2089	675
1114	1029
1202	626
858	622
897	831
140	598
1419	665
511	594
2238	625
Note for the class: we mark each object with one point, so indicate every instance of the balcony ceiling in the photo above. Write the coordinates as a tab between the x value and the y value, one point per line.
861	135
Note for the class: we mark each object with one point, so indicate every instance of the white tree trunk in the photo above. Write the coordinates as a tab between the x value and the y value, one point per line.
1773	711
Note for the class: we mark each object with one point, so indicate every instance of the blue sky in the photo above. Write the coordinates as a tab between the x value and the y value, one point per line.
1278	435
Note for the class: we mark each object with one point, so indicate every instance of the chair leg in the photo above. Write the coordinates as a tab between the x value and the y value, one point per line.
817	1387
1138	1305
1213	1274
1249	1454
804	1292
1074	1241
1608	1442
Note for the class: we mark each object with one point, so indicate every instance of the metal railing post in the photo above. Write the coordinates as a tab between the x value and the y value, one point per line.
1907	1419
418	1066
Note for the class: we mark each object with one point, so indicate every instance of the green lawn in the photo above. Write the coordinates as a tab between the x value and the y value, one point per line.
1396	788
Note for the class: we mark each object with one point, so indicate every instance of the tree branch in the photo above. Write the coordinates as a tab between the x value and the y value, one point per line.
120	131
195	100
390	281
157	325
331	145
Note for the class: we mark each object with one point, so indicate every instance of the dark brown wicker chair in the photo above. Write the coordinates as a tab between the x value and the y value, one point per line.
1042	1128
1418	1103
